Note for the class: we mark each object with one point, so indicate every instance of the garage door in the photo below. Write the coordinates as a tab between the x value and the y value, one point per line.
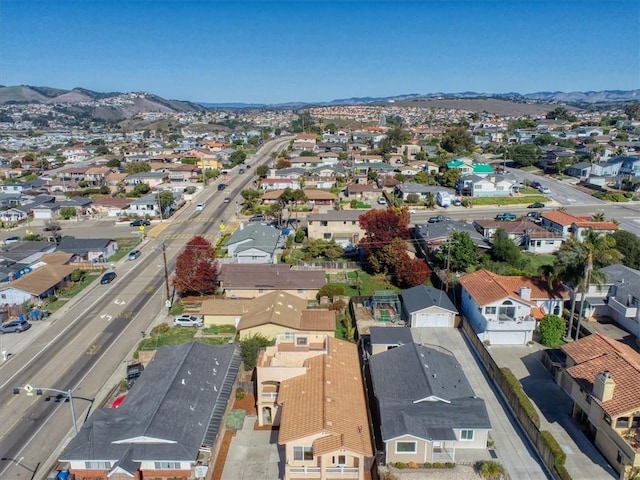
433	320
507	338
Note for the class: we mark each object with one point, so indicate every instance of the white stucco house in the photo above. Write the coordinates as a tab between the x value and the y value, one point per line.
504	310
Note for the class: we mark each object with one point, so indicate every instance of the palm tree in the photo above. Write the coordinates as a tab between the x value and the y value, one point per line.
598	217
599	251
568	269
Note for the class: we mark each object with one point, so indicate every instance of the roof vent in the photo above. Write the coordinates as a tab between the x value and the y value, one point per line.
435	375
183	382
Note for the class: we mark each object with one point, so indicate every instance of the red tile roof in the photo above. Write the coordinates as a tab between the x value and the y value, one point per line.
486	287
595	354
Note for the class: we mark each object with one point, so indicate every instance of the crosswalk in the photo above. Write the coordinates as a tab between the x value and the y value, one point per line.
187	236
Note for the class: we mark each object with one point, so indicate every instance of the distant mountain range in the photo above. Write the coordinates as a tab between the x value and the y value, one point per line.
116	106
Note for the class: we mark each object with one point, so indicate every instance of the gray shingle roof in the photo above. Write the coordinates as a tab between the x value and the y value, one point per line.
173	400
259	236
405	376
390	335
82	246
625	281
423	296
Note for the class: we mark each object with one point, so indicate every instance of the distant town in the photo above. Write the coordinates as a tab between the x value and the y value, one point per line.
443	286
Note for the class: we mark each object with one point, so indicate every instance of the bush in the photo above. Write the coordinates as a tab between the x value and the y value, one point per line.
523	400
428	465
558	455
299	238
562	473
437	465
401	465
552	328
240	393
353	203
388	476
159	330
491	469
412	465
449	464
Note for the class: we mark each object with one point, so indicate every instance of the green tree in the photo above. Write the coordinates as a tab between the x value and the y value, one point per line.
138	167
524	155
459	253
330	291
633	111
166	199
504	249
628	244
141	189
250	347
424	178
552	328
561	113
262	171
599	251
67	212
450	178
430	200
113	163
237	157
457	140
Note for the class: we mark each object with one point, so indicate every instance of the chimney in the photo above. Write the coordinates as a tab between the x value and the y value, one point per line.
603	386
525	293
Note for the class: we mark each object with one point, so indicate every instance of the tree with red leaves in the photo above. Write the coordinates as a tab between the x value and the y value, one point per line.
196	268
385	243
382	226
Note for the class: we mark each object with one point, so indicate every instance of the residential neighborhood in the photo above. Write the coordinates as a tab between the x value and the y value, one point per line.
331	292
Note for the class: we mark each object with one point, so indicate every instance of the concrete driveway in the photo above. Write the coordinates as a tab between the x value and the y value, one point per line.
514	451
254	454
554	406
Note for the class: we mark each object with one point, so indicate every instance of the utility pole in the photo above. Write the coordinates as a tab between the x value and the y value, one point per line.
166	275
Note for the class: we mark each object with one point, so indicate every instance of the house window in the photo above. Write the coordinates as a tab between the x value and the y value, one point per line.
327	236
302	290
490	310
588	398
635	422
406	447
167	465
622	422
340	460
324	223
4	296
97	465
556	310
301	341
466	435
302	453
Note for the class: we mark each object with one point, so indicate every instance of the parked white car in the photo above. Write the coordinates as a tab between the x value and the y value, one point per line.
185	320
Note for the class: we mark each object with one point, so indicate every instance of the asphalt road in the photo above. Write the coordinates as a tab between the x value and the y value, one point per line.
82	345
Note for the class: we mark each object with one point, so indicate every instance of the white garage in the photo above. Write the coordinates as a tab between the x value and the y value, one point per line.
424	306
504	337
433	319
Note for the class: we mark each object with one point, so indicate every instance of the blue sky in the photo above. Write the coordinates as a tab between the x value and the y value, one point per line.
273	52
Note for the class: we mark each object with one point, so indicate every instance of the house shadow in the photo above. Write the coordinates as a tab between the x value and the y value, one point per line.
556	406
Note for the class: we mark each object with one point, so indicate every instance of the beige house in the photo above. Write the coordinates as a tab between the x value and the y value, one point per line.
339	225
254	280
269	315
602	377
321	409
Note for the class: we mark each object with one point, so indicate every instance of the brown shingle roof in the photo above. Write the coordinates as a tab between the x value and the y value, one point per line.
312	194
42	279
595	354
487	287
271	277
328	399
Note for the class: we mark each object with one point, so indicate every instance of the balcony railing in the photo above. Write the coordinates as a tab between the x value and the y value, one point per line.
269	396
330	472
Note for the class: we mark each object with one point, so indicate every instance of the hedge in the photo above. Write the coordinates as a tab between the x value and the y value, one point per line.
558	455
562	473
525	403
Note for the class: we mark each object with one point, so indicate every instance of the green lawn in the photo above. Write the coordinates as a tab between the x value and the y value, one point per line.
509	200
218	329
67	294
368	283
125	245
538	261
172	336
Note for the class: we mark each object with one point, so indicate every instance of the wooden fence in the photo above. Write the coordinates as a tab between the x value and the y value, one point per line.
493	370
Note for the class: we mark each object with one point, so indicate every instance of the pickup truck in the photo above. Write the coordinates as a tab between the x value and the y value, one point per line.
510	217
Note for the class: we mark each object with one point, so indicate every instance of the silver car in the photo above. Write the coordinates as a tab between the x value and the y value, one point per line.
15	326
185	320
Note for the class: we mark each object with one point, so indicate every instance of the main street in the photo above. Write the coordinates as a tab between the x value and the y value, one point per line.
82	345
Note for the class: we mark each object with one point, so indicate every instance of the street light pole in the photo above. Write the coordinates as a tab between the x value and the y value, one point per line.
30	391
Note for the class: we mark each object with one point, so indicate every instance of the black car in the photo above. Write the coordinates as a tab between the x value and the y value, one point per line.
140	223
536	205
221	187
241	171
108	278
